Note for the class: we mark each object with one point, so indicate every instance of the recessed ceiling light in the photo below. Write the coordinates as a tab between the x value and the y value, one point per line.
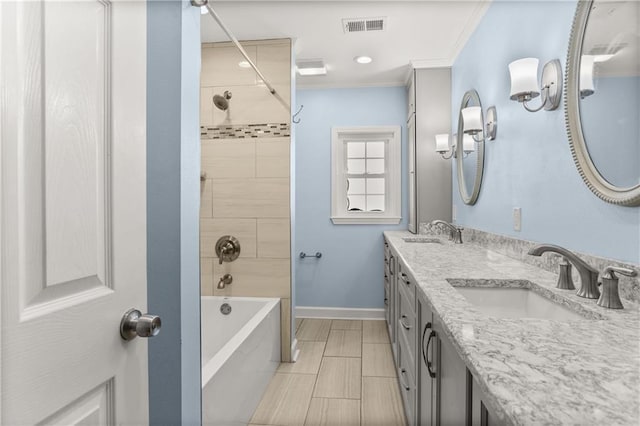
244	64
363	59
311	67
203	10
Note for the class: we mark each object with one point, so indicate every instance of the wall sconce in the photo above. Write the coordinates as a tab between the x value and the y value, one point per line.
473	123
443	148
524	83
468	145
448	151
587	88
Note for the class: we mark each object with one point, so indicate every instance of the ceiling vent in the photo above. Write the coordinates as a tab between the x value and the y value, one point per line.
357	25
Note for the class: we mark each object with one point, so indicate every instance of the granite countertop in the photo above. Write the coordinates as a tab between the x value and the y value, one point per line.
533	371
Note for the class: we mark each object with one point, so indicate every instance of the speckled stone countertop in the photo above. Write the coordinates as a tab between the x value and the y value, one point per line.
533	371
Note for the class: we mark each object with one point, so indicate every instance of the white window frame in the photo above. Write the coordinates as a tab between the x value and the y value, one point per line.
393	169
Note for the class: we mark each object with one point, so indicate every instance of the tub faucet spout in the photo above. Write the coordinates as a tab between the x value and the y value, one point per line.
225	280
588	274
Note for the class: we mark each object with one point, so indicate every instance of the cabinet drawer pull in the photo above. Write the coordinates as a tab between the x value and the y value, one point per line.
405	279
402	373
427	326
407	327
432	374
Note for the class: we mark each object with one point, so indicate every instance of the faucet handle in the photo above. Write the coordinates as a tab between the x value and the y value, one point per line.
610	272
610	298
565	280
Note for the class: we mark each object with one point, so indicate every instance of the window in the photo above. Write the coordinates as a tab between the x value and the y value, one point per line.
365	175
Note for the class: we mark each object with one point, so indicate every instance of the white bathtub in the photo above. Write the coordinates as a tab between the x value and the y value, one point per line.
240	353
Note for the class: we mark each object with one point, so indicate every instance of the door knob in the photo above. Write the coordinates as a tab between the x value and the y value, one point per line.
134	324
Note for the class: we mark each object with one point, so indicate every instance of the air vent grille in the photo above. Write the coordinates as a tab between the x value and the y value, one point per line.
356	25
375	25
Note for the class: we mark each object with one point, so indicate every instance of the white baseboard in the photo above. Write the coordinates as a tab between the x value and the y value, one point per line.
339	313
295	352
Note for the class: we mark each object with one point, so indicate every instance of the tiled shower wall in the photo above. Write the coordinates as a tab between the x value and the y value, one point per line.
245	166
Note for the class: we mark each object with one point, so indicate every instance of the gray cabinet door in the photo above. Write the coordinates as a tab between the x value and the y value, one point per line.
413	195
452	381
425	353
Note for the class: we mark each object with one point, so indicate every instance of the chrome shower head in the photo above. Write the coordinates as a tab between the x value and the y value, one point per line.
222	102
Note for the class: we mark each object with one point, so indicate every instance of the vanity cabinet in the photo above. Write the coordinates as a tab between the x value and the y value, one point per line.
480	414
429	113
442	387
406	336
427	385
435	384
390	296
451	378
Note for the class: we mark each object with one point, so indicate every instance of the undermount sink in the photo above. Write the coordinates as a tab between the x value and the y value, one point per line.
421	240
516	302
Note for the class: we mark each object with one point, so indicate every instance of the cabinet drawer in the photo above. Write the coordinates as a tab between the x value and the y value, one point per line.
407	284
407	327
407	381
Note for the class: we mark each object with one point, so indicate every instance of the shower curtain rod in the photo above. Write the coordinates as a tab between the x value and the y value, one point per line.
214	15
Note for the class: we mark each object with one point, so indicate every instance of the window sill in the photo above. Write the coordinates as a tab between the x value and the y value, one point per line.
365	220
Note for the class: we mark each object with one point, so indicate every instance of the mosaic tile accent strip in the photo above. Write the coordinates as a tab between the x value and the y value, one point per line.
246	131
517	249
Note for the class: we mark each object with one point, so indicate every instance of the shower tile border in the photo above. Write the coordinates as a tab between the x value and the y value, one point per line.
246	131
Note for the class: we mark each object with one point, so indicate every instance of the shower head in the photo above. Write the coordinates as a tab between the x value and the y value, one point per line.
222	102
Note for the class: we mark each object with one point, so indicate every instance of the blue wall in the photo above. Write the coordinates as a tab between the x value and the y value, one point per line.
610	118
173	199
350	273
529	165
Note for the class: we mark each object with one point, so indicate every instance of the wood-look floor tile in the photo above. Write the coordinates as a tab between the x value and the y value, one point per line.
314	329
308	361
381	403
377	360
339	378
375	332
346	325
333	412
346	343
285	401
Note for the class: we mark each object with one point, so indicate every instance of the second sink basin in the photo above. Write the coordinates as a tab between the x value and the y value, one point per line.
508	302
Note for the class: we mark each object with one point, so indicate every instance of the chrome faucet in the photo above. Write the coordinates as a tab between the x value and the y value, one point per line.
610	298
588	274
225	280
455	233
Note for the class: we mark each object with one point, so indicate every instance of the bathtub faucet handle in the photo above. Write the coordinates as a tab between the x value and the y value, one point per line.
225	280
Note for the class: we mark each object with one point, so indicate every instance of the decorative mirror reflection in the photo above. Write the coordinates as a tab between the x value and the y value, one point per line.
469	153
603	98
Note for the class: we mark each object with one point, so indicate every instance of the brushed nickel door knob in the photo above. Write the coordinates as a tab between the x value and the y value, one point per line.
134	324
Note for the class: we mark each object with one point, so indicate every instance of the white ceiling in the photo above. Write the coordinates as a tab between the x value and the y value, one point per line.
426	33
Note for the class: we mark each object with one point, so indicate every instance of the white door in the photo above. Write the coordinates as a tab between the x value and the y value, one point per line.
72	213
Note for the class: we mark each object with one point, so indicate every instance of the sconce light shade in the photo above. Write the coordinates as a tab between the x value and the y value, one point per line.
586	75
472	120
468	144
442	143
524	78
524	83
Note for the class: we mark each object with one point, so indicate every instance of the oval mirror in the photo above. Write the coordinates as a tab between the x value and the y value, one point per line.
469	154
603	98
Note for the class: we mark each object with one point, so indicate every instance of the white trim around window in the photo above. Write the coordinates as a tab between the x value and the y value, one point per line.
391	212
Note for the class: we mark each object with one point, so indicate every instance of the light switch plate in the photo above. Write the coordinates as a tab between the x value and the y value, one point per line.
517	219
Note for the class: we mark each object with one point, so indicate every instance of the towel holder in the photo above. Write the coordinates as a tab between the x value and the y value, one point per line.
318	255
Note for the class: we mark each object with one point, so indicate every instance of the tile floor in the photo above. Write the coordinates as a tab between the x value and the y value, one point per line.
344	376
